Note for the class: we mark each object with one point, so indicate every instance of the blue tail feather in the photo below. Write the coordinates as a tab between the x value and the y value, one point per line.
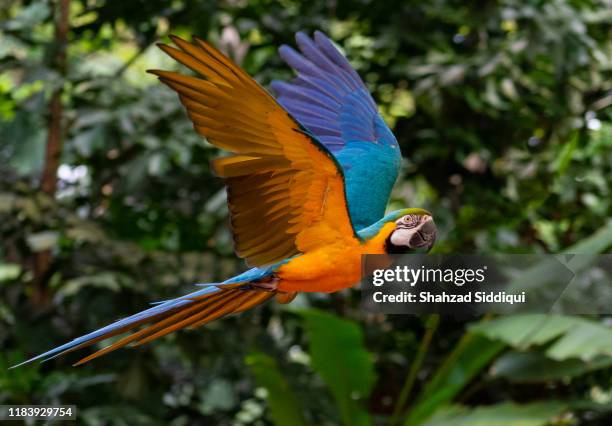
158	308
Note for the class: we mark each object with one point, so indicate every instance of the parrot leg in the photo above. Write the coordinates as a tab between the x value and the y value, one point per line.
271	284
268	284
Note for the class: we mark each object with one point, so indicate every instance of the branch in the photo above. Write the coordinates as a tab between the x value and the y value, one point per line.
54	134
53	151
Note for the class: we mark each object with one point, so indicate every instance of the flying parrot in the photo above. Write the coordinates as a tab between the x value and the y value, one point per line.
308	178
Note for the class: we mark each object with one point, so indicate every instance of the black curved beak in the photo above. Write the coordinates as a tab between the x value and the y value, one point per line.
425	235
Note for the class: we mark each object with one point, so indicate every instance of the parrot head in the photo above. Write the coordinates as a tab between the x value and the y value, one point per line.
414	229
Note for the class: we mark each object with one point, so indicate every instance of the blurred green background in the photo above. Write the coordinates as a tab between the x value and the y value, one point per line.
503	111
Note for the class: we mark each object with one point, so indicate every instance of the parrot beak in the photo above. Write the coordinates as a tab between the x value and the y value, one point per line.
421	236
424	235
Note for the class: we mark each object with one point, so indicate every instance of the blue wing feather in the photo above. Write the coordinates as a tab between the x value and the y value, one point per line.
329	99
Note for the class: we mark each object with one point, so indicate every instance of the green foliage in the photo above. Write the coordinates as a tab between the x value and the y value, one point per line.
471	355
536	367
503	113
569	337
537	414
339	356
284	406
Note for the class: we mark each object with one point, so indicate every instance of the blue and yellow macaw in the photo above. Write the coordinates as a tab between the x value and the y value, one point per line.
308	179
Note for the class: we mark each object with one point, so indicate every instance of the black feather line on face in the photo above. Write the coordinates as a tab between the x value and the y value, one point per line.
391	248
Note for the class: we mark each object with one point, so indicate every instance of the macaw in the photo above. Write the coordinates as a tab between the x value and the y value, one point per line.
308	179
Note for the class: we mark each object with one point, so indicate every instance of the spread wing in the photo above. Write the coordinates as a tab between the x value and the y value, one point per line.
331	101
285	189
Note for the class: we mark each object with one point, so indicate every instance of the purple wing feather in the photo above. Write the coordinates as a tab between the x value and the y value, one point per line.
330	100
326	88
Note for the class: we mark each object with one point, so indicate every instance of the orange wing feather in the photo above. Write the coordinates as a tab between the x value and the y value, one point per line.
285	190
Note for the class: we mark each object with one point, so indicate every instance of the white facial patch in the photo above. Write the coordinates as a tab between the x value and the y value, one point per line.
401	237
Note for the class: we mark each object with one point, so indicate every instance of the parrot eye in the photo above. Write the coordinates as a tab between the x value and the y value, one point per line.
408	221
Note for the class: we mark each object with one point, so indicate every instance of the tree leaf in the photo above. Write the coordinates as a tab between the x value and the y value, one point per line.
534	367
570	337
506	414
471	355
599	242
284	406
41	241
9	271
338	354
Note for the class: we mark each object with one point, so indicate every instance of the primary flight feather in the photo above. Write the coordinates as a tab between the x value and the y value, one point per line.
331	101
308	178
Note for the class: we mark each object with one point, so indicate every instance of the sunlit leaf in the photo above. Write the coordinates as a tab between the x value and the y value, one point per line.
42	241
9	271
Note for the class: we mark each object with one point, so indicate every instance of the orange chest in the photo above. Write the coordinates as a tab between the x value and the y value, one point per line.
327	269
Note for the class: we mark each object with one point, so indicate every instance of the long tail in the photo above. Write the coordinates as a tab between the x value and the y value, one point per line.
190	311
